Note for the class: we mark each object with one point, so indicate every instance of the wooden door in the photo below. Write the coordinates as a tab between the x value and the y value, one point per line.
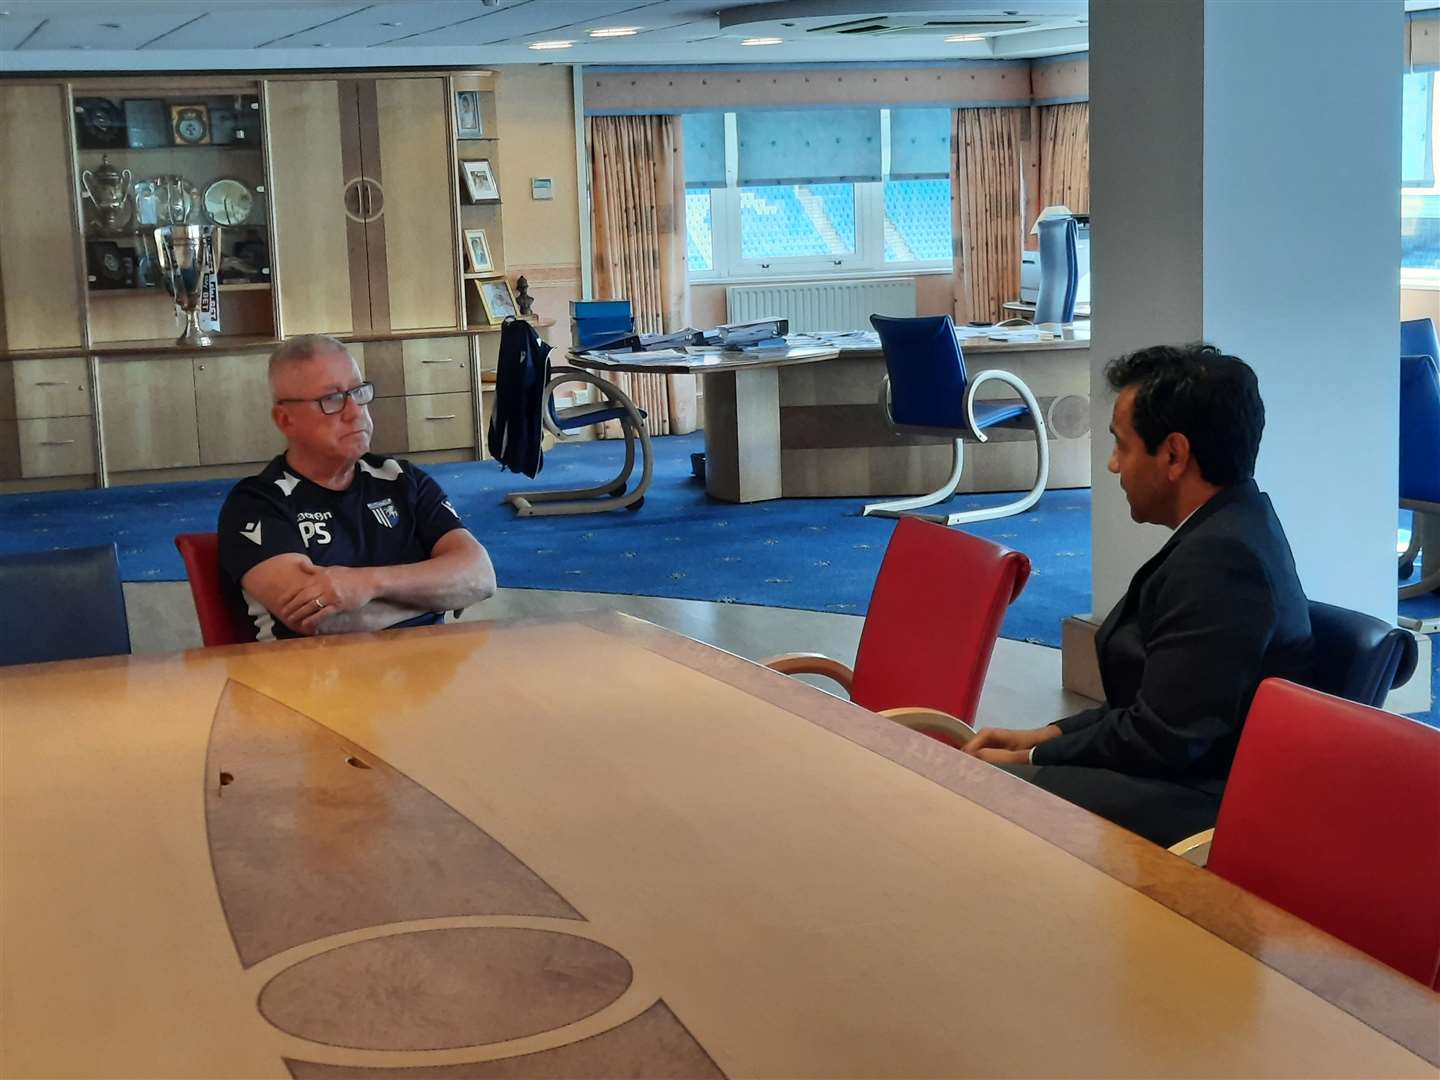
411	234
147	410
316	176
232	406
40	298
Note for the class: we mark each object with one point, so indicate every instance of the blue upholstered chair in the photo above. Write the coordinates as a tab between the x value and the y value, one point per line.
61	605
1059	271
929	392
1357	656
1420	457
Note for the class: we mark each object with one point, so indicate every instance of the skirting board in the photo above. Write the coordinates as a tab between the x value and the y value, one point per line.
1080	672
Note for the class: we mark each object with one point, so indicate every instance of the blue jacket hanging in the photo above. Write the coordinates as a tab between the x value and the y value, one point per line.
521	374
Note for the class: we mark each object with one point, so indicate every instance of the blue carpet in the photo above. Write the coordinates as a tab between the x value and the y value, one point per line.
812	554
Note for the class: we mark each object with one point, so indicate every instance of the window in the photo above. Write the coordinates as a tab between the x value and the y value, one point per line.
1420	181
898	224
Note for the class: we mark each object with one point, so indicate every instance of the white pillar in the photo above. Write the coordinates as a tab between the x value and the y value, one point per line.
1245	191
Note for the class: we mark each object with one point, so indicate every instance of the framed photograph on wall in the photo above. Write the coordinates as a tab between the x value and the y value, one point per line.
480	181
477	251
497	299
468	121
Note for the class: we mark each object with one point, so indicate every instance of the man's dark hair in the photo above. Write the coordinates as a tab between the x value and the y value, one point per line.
1211	398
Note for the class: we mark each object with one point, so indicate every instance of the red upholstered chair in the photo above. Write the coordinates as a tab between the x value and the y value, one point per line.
1332	812
218	624
934	616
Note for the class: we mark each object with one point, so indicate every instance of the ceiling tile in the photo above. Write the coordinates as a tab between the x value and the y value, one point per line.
14	30
225	27
365	26
127	29
539	18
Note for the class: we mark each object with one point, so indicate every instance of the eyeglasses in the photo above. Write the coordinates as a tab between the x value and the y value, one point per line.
331	404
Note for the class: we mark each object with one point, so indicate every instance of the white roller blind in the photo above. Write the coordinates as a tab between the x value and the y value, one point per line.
919	144
814	146
704	137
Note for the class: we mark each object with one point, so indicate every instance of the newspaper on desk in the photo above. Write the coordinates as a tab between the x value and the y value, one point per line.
868	339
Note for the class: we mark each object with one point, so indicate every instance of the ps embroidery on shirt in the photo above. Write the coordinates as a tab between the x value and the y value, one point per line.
312	526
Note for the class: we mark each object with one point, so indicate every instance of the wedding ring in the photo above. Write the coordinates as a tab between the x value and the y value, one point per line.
319	603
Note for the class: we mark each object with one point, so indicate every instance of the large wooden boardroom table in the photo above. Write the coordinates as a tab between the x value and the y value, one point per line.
595	848
806	421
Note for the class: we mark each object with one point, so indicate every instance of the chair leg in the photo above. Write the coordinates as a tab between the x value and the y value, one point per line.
589	500
1424	542
903	507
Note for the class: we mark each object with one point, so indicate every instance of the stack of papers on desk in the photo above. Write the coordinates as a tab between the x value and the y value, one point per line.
679	339
755	332
627	357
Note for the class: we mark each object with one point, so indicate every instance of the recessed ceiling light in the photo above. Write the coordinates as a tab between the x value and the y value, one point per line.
763	41
615	31
966	37
551	44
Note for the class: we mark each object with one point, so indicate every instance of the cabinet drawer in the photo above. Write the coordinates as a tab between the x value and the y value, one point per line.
436	365
52	387
63	446
439	421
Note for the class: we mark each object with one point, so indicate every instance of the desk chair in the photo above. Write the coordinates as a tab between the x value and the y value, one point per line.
929	633
1331	813
1420	459
928	392
1059	271
1357	656
524	405
62	605
218	624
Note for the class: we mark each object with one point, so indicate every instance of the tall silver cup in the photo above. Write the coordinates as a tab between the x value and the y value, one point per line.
189	257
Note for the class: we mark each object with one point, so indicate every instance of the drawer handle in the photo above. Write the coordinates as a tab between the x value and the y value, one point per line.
447	360
58	442
450	417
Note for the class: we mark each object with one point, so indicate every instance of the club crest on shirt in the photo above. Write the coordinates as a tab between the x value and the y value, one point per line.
385	512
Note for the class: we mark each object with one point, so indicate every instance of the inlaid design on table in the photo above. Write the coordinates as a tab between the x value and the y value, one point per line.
402	949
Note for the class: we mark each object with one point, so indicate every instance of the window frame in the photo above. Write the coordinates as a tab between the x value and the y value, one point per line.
868	259
1425	277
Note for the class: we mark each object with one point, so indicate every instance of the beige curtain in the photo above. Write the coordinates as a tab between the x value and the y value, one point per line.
1064	154
637	193
985	211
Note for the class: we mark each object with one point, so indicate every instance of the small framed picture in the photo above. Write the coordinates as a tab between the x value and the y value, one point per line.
497	299
480	181
477	251
468	122
190	125
145	123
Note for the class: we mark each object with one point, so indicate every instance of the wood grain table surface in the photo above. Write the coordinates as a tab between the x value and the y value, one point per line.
596	848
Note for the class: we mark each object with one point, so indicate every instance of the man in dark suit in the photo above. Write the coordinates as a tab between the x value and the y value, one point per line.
1215	611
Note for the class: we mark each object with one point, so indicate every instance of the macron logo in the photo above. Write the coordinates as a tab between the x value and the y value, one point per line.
251	532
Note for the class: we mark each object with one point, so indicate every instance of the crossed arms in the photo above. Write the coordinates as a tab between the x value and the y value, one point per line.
457	573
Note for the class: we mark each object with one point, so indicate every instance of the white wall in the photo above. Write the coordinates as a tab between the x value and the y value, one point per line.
1301	219
1245	178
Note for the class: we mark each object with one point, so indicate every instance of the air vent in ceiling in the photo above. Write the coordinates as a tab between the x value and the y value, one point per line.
916	24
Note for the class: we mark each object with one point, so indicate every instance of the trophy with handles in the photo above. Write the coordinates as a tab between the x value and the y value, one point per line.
189	257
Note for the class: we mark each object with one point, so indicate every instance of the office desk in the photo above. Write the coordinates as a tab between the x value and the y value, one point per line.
742	412
602	849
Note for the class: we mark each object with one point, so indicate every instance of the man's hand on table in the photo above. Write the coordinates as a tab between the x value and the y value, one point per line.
1004	746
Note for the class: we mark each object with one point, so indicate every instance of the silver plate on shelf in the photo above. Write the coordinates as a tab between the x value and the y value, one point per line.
229	202
176	199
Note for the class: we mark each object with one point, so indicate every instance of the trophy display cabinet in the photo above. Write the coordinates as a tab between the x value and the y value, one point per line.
359	205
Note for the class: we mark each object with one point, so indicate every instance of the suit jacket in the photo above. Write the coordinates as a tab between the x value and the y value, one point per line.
521	374
1218	609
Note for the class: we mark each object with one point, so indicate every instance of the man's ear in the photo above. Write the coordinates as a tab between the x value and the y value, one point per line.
1176	450
281	418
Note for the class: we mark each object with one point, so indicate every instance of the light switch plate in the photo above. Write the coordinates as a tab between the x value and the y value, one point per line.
541	187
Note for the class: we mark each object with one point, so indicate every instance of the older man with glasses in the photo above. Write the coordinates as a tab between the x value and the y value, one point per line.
330	538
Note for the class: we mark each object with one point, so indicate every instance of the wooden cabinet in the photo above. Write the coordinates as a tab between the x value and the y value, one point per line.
364	204
232	409
147	410
40	274
46	426
422	394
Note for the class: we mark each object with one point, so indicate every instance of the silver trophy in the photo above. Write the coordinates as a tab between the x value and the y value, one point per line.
188	257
